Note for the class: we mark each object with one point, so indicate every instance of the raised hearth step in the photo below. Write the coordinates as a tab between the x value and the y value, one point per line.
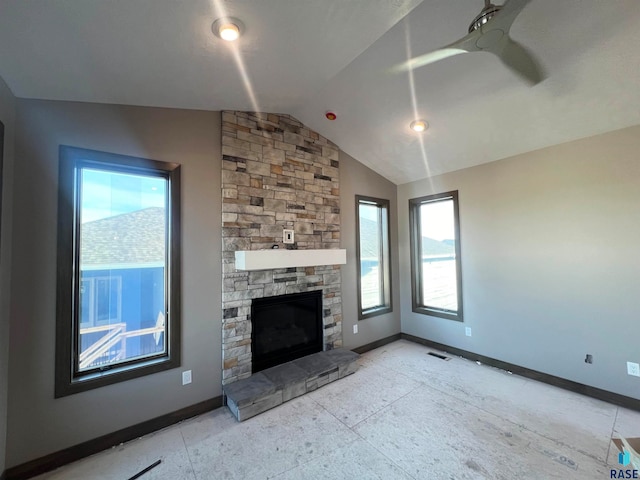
276	385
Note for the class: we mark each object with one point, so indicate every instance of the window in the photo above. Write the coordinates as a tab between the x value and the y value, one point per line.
118	313
435	255
372	250
1	163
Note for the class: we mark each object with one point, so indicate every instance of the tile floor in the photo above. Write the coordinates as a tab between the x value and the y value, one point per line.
403	415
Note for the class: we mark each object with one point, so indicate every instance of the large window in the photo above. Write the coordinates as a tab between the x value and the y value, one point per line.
372	249
118	269
435	255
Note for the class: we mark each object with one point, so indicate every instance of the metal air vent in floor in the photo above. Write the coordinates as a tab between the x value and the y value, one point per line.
437	355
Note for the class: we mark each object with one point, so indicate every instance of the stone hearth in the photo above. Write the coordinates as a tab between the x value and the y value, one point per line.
276	385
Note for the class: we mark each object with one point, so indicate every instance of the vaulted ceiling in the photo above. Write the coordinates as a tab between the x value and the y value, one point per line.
305	57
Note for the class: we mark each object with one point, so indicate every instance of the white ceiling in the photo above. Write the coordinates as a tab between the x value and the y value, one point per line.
304	57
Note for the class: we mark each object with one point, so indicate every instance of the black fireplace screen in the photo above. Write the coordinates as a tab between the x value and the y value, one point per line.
284	328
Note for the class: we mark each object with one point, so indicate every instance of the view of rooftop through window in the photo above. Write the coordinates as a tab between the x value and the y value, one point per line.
122	266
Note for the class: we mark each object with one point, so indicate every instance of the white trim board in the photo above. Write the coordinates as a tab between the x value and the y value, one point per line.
282	258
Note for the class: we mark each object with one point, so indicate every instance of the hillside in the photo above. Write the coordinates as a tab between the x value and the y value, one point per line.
369	247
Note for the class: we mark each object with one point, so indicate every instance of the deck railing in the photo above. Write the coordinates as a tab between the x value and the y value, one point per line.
112	346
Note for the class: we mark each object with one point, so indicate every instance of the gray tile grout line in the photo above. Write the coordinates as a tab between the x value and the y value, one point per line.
364	439
352	428
319	455
373	446
268	477
186	449
563	444
613	428
189	421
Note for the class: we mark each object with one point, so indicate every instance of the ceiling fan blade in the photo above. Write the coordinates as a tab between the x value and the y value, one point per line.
520	60
464	45
506	16
493	36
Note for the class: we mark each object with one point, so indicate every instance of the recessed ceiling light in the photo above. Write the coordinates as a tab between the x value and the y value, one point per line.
229	32
419	125
227	28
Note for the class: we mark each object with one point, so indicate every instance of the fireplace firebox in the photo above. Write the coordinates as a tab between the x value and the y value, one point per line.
285	327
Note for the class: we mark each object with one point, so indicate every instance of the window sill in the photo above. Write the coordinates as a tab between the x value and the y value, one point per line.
433	312
374	312
114	375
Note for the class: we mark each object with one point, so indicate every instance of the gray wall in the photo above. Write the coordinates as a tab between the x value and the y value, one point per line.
356	179
7	116
38	424
550	261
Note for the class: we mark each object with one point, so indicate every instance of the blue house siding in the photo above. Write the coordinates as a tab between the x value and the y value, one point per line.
137	302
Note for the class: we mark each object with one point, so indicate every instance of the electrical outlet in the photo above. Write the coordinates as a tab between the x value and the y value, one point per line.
633	369
467	331
355	328
186	377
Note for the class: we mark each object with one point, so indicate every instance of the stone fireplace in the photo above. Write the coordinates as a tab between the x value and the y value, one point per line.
276	174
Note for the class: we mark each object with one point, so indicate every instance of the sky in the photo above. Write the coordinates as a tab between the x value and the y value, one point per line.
105	194
370	212
437	220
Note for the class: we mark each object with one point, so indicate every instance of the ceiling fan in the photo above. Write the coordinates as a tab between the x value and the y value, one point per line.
489	32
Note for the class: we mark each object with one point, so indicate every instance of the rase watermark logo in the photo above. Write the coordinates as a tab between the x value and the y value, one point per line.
624	459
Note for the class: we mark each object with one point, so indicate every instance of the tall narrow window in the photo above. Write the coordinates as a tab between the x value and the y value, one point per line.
435	255
372	249
118	264
1	165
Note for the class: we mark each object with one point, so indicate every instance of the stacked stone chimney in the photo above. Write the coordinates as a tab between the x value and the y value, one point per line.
276	174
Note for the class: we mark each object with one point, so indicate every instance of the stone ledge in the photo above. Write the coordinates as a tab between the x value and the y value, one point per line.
276	385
